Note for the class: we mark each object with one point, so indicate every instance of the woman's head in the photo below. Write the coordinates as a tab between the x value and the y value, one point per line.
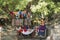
42	22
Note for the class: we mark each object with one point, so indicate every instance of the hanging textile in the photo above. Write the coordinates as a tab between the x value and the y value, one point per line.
24	16
12	14
29	31
21	21
16	15
13	20
21	15
29	14
26	32
17	22
25	27
25	22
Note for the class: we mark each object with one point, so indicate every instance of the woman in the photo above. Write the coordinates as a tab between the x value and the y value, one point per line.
42	28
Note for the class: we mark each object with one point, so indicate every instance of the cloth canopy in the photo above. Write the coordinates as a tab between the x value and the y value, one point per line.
25	32
29	31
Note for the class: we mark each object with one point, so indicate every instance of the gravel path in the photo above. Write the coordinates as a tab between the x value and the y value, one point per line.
9	35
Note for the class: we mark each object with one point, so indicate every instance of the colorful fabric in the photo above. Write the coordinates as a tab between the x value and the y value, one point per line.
21	30
21	15
20	12
25	28
25	22
13	21
21	21
29	14
24	16
17	15
17	22
12	14
29	31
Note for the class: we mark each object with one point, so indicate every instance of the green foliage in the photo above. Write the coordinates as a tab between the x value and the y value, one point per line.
38	7
46	7
12	5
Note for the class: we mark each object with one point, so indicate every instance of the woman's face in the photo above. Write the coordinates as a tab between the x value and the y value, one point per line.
42	22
